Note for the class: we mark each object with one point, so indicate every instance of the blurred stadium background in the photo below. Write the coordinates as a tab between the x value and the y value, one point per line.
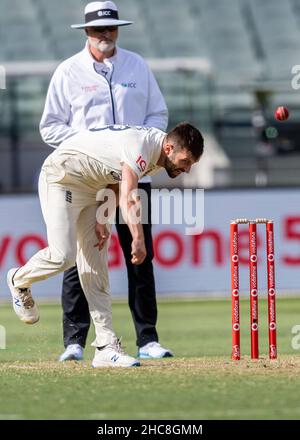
222	65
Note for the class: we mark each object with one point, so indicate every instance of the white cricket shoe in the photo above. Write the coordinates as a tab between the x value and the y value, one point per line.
23	303
73	352
153	350
112	355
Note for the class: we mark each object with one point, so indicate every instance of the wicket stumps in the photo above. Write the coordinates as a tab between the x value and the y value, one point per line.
235	294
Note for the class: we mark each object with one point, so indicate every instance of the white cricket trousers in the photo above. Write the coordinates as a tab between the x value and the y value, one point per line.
67	190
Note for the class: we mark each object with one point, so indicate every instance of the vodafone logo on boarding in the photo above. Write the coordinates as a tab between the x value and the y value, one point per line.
17	247
141	163
21	248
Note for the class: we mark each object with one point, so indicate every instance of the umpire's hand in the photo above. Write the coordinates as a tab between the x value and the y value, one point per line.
138	251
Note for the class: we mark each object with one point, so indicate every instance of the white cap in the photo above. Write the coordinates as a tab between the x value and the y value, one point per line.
101	14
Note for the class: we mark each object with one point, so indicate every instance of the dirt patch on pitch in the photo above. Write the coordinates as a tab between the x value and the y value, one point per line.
285	365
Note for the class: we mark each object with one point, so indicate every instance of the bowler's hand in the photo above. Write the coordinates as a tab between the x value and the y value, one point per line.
138	251
102	235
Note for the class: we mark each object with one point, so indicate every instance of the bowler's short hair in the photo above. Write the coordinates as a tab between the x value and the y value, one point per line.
185	136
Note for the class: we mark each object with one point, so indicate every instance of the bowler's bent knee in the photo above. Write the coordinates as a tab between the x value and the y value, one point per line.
65	262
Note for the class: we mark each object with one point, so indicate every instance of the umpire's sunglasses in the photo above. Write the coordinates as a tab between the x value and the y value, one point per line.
104	28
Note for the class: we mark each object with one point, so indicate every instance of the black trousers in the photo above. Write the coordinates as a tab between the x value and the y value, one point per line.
141	291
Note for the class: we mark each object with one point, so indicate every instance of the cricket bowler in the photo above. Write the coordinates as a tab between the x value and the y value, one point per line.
70	179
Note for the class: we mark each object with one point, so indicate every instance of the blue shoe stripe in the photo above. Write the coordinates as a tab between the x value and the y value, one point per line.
143	355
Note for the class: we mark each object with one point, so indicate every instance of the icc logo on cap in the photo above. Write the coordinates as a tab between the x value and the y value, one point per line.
100	13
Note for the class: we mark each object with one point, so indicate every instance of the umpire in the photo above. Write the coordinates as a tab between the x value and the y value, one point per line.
104	84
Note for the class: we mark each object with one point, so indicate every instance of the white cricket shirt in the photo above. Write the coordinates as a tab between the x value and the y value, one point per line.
138	147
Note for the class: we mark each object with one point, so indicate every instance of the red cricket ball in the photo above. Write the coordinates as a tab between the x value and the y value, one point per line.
281	113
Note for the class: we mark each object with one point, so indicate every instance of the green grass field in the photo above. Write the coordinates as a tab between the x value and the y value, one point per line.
201	382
